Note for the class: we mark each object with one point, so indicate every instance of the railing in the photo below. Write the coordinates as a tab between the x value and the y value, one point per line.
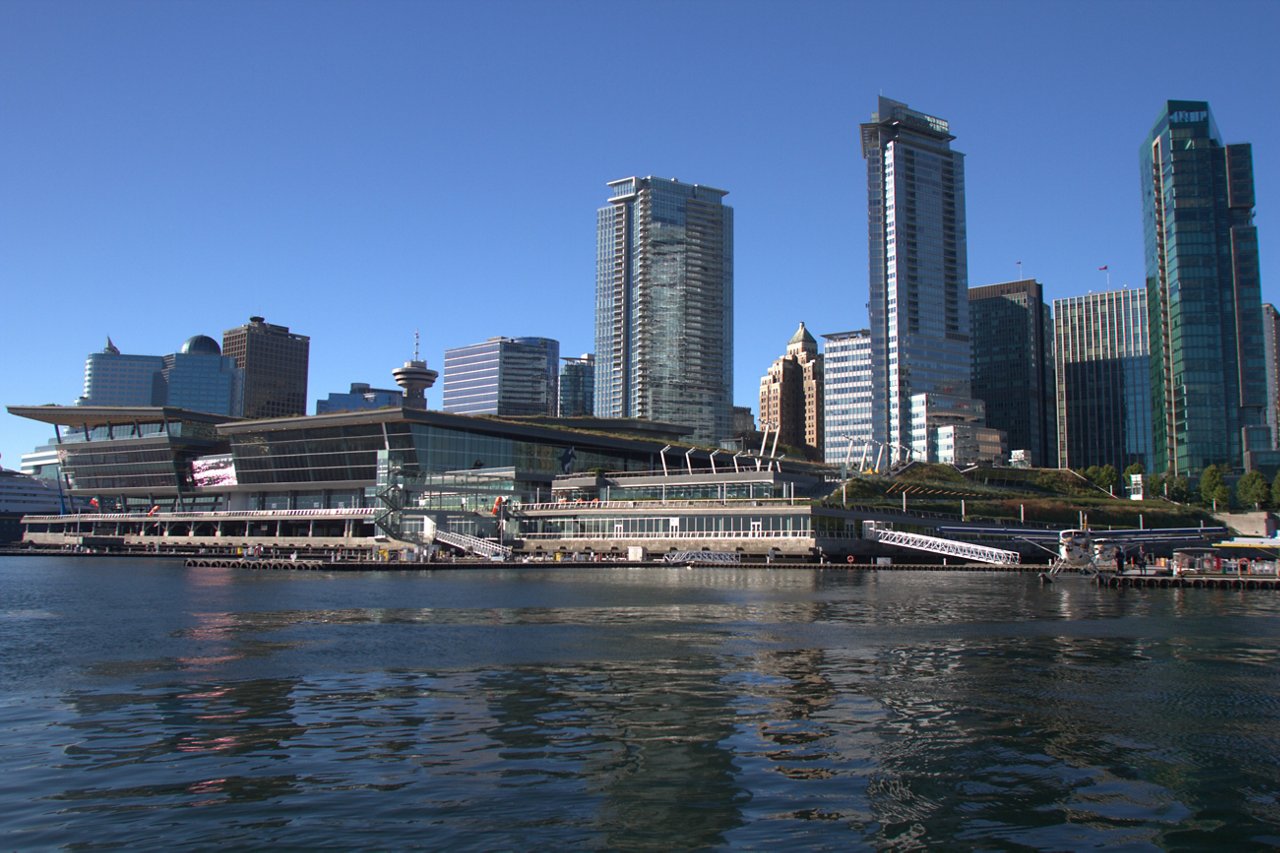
473	544
948	547
352	512
687	534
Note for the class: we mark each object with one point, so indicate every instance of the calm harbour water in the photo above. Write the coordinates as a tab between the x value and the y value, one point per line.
144	704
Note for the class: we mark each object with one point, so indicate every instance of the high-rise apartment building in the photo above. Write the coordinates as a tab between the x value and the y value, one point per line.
1203	293
664	305
578	386
791	395
197	378
1271	356
274	361
1012	338
919	306
846	398
1103	372
503	376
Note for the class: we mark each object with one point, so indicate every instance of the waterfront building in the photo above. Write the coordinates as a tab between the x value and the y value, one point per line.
664	305
1103	374
197	377
919	306
791	395
577	397
22	494
846	398
274	361
503	376
1011	330
41	462
1208	375
1271	358
361	396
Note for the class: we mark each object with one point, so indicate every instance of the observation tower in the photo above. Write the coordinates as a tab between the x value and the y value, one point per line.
415	378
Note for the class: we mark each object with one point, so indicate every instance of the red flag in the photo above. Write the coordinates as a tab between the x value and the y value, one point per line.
154	510
1101	268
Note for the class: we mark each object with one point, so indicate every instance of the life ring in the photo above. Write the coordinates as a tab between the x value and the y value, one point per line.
850	559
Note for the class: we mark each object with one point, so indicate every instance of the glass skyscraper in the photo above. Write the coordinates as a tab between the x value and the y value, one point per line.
578	386
846	382
1203	293
1103	375
919	306
664	305
503	376
1012	335
197	378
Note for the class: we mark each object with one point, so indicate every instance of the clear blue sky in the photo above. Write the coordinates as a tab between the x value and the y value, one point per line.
356	170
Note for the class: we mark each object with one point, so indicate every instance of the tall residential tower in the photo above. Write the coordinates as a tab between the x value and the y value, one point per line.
664	305
919	307
1203	294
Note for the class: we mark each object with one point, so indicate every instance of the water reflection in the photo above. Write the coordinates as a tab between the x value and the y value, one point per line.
621	710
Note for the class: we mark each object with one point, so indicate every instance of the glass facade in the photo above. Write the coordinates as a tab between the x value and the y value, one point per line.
578	387
1012	333
1271	356
1208	375
919	306
664	306
115	379
503	376
360	397
1103	380
198	378
847	397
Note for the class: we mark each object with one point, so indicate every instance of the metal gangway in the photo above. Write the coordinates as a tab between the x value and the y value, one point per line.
717	558
938	545
474	545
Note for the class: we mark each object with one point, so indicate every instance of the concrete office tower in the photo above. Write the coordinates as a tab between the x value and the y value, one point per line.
503	376
846	400
919	306
1203	292
664	305
1012	335
1103	375
1271	354
578	386
197	378
274	362
791	395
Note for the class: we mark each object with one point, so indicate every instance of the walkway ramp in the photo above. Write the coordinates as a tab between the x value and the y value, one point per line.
466	542
938	545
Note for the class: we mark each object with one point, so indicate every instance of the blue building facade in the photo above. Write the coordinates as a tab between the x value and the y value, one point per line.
847	396
361	396
503	376
578	386
197	378
1208	374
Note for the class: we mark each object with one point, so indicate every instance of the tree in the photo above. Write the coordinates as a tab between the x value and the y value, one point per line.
1177	489
1275	490
1253	489
1135	468
1108	478
1213	488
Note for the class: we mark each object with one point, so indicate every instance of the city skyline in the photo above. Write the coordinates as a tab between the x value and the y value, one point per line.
203	153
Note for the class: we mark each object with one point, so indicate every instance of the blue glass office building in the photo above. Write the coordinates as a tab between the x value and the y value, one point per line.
664	305
1103	372
578	387
919	306
503	376
1203	293
197	378
360	397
